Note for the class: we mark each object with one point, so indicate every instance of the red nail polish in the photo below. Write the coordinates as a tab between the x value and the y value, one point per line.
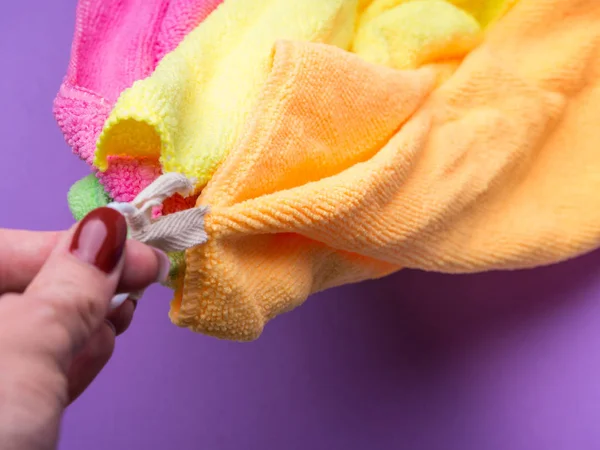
100	239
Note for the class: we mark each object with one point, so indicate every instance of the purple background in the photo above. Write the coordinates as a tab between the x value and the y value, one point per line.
416	361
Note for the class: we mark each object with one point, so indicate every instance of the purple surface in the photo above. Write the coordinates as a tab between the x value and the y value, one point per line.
416	361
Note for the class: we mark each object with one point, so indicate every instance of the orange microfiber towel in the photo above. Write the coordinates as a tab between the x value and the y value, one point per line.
349	170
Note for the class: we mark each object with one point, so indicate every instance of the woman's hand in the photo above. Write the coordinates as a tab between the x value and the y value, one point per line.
56	331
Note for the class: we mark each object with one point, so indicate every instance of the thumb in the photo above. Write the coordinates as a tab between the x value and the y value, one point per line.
71	293
60	313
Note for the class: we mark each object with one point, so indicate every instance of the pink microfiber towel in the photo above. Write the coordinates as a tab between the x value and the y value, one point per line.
117	42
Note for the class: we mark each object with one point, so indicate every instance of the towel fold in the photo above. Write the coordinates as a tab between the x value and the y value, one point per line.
415	33
348	170
407	34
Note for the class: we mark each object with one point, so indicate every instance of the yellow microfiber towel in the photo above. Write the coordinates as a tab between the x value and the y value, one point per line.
348	170
406	34
484	11
192	109
415	33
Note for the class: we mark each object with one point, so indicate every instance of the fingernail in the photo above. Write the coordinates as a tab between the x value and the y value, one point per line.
164	265
100	239
111	325
118	300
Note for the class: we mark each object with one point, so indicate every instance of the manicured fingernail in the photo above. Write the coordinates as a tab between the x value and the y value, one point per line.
118	300
100	239
164	265
111	325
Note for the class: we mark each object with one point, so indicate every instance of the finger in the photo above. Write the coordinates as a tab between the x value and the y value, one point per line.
25	252
144	266
90	361
75	285
122	316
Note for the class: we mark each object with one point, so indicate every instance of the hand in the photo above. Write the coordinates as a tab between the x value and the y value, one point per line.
56	331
